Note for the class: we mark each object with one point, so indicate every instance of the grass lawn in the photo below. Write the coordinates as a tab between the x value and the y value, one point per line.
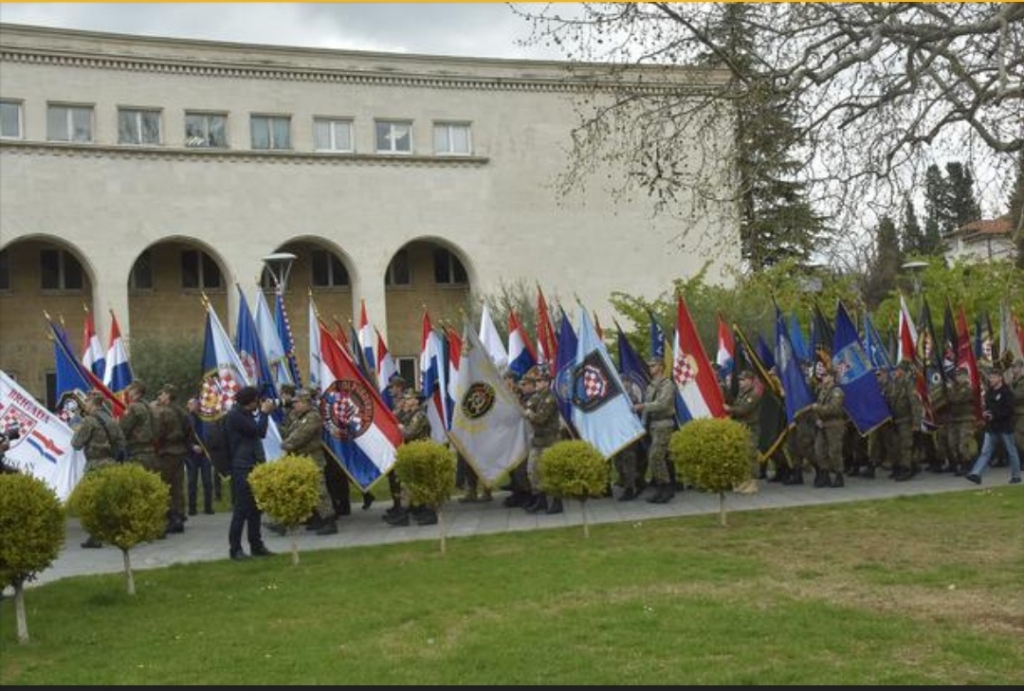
914	590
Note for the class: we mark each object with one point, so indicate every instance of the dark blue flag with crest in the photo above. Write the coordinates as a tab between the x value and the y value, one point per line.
563	373
864	401
798	396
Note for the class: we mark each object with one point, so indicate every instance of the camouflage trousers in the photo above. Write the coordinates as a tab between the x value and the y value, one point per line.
172	472
961	441
324	504
625	466
657	454
828	448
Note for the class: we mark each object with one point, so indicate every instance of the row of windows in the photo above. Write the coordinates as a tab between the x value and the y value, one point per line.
74	123
60	270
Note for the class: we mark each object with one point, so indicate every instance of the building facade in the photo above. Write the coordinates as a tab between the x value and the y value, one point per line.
138	174
984	240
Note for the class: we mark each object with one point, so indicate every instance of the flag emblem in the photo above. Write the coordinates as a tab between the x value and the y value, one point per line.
217	394
347	408
249	362
478	401
69	407
12	418
685	369
592	385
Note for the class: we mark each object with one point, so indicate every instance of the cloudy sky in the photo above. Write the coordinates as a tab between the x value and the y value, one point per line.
465	29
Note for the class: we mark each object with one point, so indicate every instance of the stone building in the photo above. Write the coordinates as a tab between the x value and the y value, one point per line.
138	174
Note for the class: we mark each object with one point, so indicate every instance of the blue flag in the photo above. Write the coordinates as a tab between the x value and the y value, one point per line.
764	352
284	332
877	351
797	340
250	350
657	337
601	411
864	401
632	368
563	371
797	392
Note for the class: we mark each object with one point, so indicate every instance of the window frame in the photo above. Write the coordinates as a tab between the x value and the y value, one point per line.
69	122
206	122
145	258
389	273
332	261
272	144
203	259
451	268
332	123
448	127
408	368
392	124
19	111
63	271
5	270
139	114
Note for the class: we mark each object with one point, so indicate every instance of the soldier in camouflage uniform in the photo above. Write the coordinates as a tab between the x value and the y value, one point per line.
903	403
415	426
305	431
830	419
962	427
937	449
172	436
545	419
882	440
99	438
139	427
658	411
746	409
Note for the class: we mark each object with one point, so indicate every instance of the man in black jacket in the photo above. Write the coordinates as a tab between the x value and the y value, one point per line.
245	427
999	418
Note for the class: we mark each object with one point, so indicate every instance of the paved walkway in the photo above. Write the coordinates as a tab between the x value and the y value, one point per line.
205	537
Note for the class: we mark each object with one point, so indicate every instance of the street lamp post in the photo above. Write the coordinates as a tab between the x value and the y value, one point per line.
279	264
915	267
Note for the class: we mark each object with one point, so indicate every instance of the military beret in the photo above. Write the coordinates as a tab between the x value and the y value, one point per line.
412	395
304	394
537	372
287	389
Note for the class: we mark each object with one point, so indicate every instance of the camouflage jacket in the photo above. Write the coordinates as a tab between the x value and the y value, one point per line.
542	413
898	395
172	430
416	426
304	434
746	409
830	409
138	424
659	401
98	437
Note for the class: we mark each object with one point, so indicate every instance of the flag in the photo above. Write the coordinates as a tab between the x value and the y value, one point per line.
547	341
366	368
863	398
521	356
73	380
223	375
562	374
118	373
928	351
751	359
821	336
597	327
965	355
432	382
366	339
632	369
984	336
691	370
43	447
726	355
1009	344
491	340
772	424
907	343
764	352
360	431
796	339
949	342
877	351
908	350
453	356
250	350
93	356
657	337
273	348
314	346
284	332
489	428
797	394
386	368
602	413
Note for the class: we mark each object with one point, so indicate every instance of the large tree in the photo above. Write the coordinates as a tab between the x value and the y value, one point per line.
911	236
885	267
1016	210
878	91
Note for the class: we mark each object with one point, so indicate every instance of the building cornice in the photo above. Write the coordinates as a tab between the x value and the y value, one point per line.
195	155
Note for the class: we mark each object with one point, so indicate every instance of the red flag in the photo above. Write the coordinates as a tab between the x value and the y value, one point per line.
965	358
547	342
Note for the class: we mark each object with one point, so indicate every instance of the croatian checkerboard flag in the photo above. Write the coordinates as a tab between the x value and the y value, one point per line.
93	356
520	353
223	375
366	339
386	368
433	384
602	413
360	431
117	375
691	369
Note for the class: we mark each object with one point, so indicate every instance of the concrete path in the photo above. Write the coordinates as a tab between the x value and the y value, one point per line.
205	536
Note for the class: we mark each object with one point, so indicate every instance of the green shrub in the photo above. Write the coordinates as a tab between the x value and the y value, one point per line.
574	469
288	491
31	535
426	470
123	504
713	454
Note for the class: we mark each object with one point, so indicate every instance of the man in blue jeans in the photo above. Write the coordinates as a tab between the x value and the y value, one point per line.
999	420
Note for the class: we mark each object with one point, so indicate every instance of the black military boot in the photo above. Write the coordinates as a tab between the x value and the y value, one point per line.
628	494
556	506
794	477
868	473
837	480
328	527
399	518
821	478
539	504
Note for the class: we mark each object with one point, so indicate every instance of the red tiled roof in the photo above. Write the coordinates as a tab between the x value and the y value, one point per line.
991	226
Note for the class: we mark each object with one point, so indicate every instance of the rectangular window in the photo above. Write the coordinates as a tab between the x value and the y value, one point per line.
69	123
407	368
141	277
448	270
271	132
135	126
394	137
452	139
10	120
206	130
199	271
332	135
398	273
5	270
328	271
59	270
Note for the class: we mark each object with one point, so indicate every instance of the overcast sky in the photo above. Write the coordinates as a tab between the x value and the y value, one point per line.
465	29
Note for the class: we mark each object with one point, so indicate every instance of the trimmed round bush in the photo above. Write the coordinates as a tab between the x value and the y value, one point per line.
31	527
574	469
713	454
426	470
122	503
288	489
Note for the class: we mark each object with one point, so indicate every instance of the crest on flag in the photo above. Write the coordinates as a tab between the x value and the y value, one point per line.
478	400
217	394
592	384
347	409
12	418
685	369
249	362
69	407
